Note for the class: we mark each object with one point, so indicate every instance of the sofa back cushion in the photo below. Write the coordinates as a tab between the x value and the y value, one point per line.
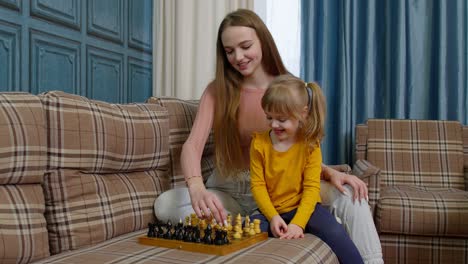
107	165
23	161
181	116
417	152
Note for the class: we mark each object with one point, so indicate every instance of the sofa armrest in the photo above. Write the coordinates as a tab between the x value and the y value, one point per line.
341	168
370	174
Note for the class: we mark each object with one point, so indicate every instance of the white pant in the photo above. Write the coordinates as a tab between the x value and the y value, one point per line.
356	217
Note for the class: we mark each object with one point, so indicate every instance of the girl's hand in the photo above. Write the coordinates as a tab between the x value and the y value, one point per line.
205	203
339	179
294	231
278	226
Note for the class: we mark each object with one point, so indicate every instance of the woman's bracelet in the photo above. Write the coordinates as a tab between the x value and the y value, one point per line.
191	177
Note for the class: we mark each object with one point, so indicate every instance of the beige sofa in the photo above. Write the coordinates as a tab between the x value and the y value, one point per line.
78	179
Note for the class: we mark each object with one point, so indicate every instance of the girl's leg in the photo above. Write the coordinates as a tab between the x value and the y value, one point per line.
357	219
324	225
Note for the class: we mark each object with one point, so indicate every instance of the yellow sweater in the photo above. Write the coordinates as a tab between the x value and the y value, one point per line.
283	181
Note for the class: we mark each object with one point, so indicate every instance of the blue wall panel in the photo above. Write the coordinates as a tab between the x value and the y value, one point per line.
140	19
105	75
139	76
101	49
9	57
105	19
54	63
13	4
64	11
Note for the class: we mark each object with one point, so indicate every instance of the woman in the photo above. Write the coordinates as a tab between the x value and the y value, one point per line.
247	60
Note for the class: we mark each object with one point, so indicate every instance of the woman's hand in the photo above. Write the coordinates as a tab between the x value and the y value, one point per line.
294	231
205	203
277	226
339	179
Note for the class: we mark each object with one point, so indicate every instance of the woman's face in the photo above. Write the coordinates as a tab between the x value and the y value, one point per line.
243	49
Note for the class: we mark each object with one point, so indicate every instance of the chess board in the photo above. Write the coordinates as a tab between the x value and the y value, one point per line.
234	245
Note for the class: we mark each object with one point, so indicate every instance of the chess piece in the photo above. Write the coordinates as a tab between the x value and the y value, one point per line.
207	238
237	235
197	238
247	221
151	229
251	229
229	222
257	226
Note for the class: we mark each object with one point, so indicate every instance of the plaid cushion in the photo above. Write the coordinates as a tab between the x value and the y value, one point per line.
181	116
85	209
361	142
23	232
108	163
423	249
417	152
97	137
125	249
23	152
415	210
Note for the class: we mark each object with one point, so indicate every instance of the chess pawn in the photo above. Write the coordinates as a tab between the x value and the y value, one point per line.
247	221
252	231
237	235
238	219
256	223
246	230
229	222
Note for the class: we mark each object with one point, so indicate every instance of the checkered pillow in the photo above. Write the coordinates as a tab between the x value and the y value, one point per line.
108	163
417	152
23	161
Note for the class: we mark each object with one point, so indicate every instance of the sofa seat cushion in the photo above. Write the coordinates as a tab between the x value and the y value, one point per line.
126	249
413	210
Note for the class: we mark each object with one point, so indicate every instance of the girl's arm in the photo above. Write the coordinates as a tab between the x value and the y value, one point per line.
311	188
258	184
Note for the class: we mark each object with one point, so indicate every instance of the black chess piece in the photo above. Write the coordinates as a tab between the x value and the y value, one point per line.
225	237
196	237
218	240
160	231
151	232
207	238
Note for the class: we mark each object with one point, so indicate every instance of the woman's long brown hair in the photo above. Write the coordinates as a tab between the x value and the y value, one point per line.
228	81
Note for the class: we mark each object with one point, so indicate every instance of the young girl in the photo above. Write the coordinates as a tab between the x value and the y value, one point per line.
285	167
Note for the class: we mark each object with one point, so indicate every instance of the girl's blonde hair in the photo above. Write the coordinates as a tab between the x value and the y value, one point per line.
291	96
228	153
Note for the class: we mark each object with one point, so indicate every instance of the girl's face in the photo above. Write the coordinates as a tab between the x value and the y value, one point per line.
284	127
243	49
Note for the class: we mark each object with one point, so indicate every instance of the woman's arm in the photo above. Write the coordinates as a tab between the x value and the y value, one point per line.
339	179
204	203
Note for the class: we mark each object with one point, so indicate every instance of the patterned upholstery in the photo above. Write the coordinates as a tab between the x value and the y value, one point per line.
23	160
125	249
422	205
181	116
107	165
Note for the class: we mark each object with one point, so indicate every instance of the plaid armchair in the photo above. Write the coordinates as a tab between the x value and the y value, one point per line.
420	198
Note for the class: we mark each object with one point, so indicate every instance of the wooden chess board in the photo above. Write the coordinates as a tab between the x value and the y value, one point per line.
234	245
